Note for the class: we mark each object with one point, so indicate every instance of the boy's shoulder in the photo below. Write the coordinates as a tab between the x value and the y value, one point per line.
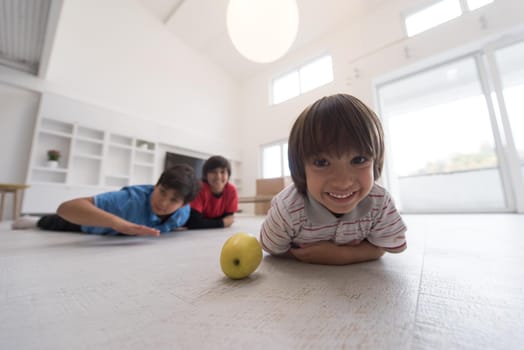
289	199
378	195
378	190
138	190
230	187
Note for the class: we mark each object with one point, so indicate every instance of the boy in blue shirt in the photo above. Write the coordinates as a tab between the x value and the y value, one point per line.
134	210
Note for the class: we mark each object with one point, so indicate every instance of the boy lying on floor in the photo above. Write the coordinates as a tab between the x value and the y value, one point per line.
134	210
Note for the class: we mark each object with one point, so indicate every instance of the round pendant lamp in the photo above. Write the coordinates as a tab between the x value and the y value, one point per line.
262	30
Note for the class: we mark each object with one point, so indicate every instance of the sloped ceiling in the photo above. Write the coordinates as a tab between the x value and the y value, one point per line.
23	25
201	24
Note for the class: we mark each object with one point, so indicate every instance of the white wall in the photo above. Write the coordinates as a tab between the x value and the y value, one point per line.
18	109
115	54
373	47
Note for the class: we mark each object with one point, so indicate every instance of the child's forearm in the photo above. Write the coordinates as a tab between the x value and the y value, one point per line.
82	211
329	253
365	251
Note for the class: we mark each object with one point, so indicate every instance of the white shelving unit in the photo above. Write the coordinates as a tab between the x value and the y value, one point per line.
92	160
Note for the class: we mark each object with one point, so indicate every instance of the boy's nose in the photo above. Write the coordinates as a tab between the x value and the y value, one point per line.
163	203
344	178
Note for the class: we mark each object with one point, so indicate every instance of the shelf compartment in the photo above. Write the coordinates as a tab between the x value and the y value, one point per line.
142	175
144	157
84	171
43	175
50	141
52	125
119	160
84	147
121	140
116	181
144	145
90	134
89	156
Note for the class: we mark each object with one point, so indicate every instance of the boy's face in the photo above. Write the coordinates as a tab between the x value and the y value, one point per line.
165	201
339	184
217	179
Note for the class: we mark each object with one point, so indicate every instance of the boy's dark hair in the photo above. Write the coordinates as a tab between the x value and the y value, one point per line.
182	179
334	125
213	163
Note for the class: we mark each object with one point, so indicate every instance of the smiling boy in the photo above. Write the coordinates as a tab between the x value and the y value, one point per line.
217	200
334	212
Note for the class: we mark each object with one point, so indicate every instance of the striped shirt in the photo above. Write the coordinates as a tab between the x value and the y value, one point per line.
299	219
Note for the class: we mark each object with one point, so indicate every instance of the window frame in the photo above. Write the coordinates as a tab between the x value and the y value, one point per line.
423	6
464	7
298	69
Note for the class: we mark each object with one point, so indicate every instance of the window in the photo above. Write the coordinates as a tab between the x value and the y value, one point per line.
438	12
274	160
432	16
441	141
455	134
475	4
315	74
302	79
286	87
510	64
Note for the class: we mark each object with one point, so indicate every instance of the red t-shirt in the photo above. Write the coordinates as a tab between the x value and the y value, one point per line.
212	207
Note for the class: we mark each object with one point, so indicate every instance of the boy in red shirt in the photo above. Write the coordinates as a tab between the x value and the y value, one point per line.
217	200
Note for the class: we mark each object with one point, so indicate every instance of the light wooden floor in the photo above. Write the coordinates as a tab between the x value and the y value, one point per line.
460	285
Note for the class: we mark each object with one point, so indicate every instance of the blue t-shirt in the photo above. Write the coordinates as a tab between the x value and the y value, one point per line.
133	203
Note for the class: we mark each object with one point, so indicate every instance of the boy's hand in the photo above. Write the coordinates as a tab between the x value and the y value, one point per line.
228	220
136	230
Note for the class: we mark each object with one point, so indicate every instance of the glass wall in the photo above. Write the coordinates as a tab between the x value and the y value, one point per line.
442	154
510	65
455	133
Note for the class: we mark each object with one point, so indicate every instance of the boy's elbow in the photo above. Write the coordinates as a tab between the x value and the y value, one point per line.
72	205
379	253
62	208
397	250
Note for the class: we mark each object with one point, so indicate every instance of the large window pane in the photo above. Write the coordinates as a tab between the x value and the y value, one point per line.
316	73
286	87
442	147
432	16
302	79
274	160
475	4
272	163
510	62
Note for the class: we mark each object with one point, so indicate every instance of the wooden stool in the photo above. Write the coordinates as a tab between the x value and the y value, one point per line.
17	190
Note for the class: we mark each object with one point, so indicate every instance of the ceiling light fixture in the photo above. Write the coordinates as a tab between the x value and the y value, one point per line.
262	30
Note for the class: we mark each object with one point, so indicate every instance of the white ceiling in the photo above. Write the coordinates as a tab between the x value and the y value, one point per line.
201	24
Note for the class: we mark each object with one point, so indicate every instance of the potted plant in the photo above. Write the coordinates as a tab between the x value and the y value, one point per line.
53	156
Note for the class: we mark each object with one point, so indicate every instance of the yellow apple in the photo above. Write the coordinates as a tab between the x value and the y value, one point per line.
240	256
